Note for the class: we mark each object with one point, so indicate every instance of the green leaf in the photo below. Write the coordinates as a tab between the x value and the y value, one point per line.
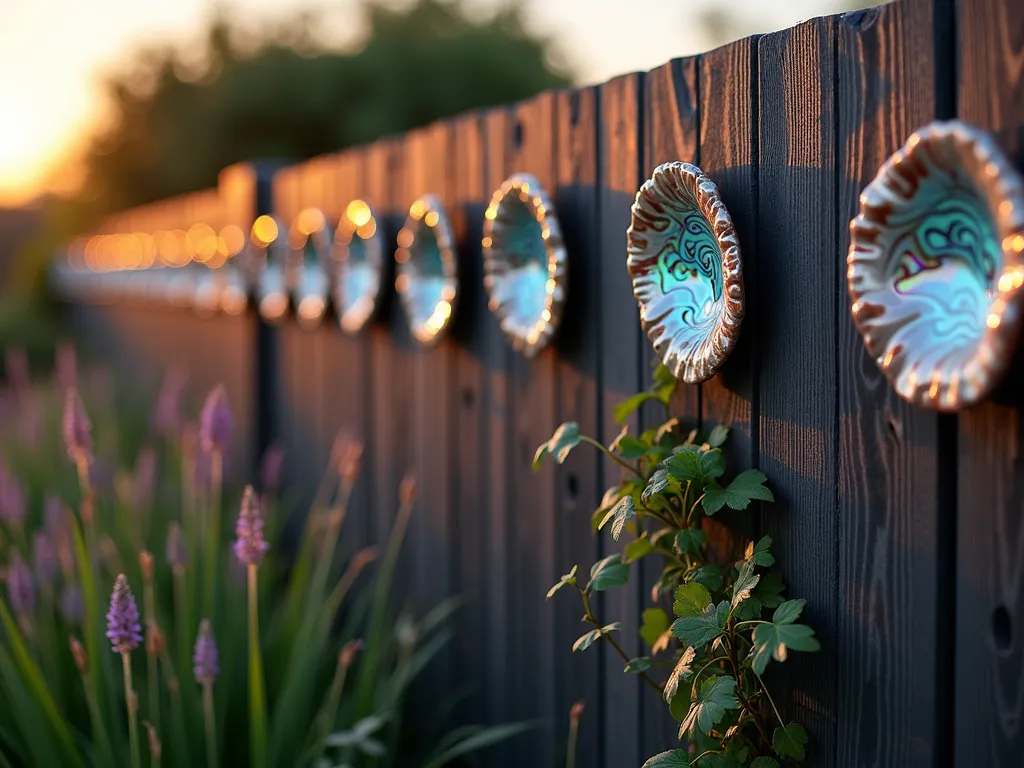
696	466
638	665
607	573
691	540
631	448
759	552
775	641
675	758
745	582
626	407
790	741
478	740
789	611
712	699
709	575
567	578
769	590
655	624
623	511
566	438
718	436
585	641
692	599
637	549
657	483
702	629
682	669
765	762
745	487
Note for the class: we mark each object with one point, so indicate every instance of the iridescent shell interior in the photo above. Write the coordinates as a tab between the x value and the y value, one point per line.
427	274
684	260
524	263
359	261
308	276
268	260
934	266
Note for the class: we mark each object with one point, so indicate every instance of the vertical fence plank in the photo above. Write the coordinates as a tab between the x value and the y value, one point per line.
990	535
578	491
391	409
427	155
670	134
533	394
500	672
889	575
470	469
728	155
620	146
795	336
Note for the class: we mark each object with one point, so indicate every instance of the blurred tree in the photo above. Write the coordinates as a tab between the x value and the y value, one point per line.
281	93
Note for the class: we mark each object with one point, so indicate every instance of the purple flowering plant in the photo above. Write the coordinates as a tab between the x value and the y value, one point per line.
125	603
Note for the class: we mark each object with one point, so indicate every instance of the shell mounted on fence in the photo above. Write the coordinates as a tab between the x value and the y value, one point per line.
267	265
427	279
935	266
525	269
684	261
308	273
358	266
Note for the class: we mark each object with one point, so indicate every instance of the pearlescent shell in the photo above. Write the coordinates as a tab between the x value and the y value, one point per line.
684	260
308	274
525	270
427	279
267	268
935	269
359	263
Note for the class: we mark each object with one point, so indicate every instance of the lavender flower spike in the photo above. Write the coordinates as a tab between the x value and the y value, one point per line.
72	604
20	589
77	429
144	479
215	421
249	544
12	499
205	661
123	628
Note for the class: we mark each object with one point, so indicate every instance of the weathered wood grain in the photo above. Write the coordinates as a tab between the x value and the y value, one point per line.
620	163
990	482
577	485
793	283
533	389
728	155
671	123
890	574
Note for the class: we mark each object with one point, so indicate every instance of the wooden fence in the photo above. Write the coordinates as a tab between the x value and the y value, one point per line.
904	529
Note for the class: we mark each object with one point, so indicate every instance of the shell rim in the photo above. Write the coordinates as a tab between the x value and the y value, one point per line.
539	205
1000	184
445	243
711	207
339	251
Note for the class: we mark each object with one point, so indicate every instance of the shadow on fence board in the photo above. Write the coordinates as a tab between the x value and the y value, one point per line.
902	528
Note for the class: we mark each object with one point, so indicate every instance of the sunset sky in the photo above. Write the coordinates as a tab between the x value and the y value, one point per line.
53	53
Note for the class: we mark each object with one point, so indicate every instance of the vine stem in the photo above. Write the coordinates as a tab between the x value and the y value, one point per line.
618	648
612	456
689	514
739	692
770	700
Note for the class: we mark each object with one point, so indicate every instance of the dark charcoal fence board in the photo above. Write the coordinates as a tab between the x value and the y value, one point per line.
797	269
671	128
578	491
620	145
889	593
533	387
469	524
990	534
500	674
728	154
